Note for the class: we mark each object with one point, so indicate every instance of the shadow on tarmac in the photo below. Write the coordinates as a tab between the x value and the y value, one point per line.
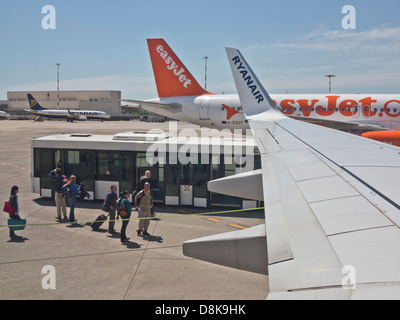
18	239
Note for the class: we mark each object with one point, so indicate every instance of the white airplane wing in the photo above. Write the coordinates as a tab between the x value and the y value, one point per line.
332	204
153	104
353	127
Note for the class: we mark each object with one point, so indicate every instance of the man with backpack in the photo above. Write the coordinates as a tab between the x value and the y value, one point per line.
140	186
144	204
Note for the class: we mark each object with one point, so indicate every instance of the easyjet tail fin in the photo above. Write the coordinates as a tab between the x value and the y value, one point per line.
173	79
34	104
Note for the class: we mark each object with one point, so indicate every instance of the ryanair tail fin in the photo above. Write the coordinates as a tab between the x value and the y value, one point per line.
172	78
253	96
34	104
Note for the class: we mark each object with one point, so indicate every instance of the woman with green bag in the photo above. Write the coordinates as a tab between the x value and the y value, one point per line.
14	201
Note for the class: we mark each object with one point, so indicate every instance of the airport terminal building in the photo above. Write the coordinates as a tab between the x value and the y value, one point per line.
180	168
99	100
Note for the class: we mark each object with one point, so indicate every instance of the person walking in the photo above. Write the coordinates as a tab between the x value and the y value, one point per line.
124	211
14	201
110	202
57	182
144	204
74	190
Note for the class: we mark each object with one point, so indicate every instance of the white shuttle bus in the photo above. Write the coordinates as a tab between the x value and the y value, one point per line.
180	166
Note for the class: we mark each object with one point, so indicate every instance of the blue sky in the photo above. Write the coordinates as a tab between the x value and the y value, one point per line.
291	45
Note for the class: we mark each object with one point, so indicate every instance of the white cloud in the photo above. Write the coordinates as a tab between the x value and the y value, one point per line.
362	60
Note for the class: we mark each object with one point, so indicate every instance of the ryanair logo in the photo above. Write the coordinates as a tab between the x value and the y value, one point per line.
33	103
248	80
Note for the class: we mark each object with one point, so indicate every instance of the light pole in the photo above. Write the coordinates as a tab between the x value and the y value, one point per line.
205	76
58	85
330	76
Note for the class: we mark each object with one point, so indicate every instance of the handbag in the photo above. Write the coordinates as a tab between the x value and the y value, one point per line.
105	208
8	208
16	224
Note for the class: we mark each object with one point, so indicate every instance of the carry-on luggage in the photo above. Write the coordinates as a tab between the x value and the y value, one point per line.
98	222
16	224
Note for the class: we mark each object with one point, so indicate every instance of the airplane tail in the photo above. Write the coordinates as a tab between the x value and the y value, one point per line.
34	104
173	79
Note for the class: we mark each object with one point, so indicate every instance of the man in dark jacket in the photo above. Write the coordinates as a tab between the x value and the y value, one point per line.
110	203
57	182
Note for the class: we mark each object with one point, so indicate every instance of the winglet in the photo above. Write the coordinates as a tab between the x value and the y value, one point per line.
253	97
172	78
34	105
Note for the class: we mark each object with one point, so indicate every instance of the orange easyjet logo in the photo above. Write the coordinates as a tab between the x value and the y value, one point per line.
347	108
171	65
230	112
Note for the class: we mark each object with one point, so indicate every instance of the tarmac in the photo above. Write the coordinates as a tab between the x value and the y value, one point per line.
96	265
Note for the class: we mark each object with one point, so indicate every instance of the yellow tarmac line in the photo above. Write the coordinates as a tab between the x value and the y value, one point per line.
213	219
147	218
238	226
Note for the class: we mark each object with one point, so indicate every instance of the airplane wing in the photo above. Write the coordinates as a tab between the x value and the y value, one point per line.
178	107
332	203
353	127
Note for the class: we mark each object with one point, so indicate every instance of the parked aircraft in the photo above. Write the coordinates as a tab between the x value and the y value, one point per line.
181	97
4	115
70	115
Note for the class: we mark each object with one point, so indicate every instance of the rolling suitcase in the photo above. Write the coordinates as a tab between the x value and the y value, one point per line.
98	222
